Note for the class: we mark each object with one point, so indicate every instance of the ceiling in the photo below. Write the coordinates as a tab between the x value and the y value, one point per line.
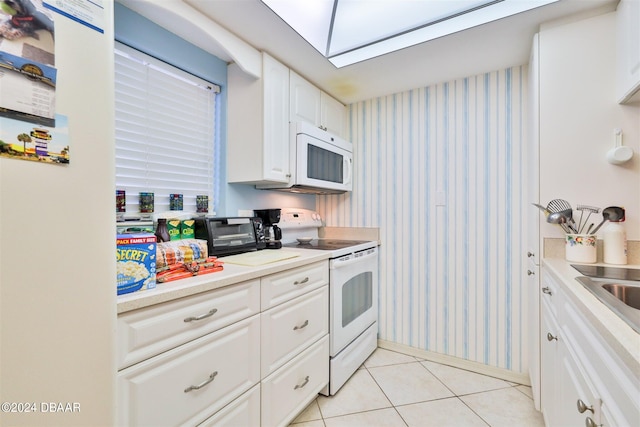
493	46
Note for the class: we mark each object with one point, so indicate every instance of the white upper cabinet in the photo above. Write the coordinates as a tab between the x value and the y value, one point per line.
304	100
310	104
258	124
628	24
333	115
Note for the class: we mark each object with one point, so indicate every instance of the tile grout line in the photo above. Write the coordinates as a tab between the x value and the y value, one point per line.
385	394
395	407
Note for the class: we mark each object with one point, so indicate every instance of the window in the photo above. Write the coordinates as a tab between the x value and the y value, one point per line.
165	129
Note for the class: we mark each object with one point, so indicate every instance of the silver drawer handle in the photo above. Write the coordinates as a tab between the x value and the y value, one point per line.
590	423
202	316
301	282
306	380
582	407
202	384
551	337
546	290
304	325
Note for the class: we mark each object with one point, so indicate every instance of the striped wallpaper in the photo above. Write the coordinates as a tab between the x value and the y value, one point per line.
440	170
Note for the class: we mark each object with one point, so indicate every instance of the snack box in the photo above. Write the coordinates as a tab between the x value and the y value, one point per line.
136	262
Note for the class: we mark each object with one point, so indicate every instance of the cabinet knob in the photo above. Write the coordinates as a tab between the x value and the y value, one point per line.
590	423
530	254
530	273
551	337
547	291
582	407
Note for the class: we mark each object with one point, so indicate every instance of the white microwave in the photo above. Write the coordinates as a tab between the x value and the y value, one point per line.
320	162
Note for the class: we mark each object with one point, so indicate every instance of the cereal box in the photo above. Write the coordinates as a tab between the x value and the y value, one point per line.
136	262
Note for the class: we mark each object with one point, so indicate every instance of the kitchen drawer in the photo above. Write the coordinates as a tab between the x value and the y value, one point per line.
280	287
244	411
150	331
160	391
287	329
286	392
617	385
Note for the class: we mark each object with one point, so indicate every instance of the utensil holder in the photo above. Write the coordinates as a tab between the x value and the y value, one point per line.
581	248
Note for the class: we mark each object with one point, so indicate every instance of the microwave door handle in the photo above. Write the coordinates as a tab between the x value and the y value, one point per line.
347	164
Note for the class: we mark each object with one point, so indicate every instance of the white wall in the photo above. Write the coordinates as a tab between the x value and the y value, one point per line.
57	269
578	112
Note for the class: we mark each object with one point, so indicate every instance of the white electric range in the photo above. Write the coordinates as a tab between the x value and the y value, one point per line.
353	292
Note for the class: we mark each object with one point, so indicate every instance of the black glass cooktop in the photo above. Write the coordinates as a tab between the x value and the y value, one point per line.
325	244
603	272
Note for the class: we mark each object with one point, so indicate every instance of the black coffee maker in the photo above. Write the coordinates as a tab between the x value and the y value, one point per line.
272	233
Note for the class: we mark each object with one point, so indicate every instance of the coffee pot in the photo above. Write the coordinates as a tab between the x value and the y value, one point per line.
272	233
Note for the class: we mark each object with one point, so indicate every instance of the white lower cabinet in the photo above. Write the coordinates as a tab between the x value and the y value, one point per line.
244	411
583	381
290	327
199	360
286	392
576	401
145	333
185	385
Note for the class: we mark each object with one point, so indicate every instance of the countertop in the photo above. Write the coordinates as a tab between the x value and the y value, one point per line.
230	275
619	335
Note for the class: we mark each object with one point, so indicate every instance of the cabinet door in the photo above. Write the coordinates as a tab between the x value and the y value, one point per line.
548	364
186	385
244	411
628	17
276	123
280	287
305	101
287	329
572	389
286	392
149	331
333	115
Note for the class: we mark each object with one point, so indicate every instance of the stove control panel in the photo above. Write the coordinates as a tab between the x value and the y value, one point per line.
299	218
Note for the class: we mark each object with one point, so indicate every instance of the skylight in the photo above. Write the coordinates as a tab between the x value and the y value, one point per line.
350	31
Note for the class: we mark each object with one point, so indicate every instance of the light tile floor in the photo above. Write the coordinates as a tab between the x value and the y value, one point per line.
394	389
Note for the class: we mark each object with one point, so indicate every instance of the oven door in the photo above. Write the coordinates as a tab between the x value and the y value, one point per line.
323	165
353	296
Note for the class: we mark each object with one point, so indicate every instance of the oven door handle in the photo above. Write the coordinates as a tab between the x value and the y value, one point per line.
339	264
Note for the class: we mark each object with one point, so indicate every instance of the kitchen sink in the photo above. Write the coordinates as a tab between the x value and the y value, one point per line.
630	295
620	296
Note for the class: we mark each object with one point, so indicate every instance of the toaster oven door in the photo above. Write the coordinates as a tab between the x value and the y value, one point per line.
227	236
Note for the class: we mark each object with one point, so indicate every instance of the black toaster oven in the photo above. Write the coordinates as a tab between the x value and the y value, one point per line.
226	236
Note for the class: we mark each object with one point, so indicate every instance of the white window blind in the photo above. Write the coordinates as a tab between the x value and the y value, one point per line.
165	132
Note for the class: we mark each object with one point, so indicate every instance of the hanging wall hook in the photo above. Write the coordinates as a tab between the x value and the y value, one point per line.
619	154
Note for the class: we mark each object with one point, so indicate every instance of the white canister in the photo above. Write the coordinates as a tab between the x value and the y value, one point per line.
614	239
581	248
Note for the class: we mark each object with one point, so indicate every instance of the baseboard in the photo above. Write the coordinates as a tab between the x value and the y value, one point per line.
456	362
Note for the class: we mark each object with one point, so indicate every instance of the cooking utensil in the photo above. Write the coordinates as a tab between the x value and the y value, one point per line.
557	205
612	213
542	208
582	209
568	215
560	219
560	205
